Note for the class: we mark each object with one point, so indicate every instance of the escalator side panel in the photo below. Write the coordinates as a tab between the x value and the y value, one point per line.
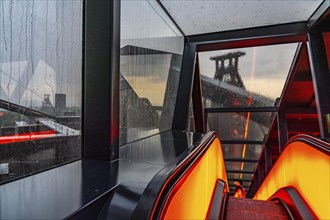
307	170
191	196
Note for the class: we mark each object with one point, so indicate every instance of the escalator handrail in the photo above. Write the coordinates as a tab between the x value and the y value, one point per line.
316	143
154	197
294	202
224	207
311	141
284	206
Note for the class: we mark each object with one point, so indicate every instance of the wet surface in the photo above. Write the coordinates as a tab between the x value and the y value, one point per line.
59	192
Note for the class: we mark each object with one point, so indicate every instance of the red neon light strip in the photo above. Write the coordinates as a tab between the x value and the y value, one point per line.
26	136
248	104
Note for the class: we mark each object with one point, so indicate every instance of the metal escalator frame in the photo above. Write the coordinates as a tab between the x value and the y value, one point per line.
154	197
285	207
293	203
317	144
307	139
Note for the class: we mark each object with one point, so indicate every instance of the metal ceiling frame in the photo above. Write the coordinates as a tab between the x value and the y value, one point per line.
284	29
319	14
268	32
289	33
170	17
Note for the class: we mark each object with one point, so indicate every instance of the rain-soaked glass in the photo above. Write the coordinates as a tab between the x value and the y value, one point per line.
40	85
246	177
240	126
238	165
150	63
245	77
206	16
241	151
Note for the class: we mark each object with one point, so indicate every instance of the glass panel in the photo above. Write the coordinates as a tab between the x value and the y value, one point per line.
326	37
246	151
247	176
198	17
238	165
252	126
245	184
238	176
40	85
150	63
246	77
233	175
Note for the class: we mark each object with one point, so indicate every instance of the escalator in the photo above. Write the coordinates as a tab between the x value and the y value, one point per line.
195	186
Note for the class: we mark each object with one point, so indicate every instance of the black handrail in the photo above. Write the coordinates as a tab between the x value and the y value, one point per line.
293	203
218	201
285	207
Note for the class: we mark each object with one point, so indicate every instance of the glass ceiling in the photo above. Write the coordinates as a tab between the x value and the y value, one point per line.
207	16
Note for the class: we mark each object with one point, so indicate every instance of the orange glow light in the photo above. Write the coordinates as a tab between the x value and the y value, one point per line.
191	196
253	66
306	169
26	136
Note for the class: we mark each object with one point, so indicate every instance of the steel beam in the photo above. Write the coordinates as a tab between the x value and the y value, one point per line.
240	160
273	34
322	12
170	17
197	101
268	158
282	129
239	171
240	142
185	88
101	80
236	179
240	109
321	79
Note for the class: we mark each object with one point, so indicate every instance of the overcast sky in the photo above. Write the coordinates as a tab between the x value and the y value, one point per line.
272	64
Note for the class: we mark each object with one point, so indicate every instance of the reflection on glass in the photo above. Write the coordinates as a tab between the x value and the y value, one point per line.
240	125
40	85
150	63
326	38
247	177
233	175
246	77
237	166
249	151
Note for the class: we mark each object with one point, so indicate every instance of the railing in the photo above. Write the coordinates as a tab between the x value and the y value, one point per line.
303	165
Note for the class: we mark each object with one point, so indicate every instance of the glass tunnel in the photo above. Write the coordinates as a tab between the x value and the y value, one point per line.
156	109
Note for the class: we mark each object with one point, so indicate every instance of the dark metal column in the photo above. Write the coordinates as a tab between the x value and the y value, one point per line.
321	79
197	101
268	158
101	82
282	130
185	88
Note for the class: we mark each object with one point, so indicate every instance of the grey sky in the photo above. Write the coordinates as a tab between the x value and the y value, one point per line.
272	65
